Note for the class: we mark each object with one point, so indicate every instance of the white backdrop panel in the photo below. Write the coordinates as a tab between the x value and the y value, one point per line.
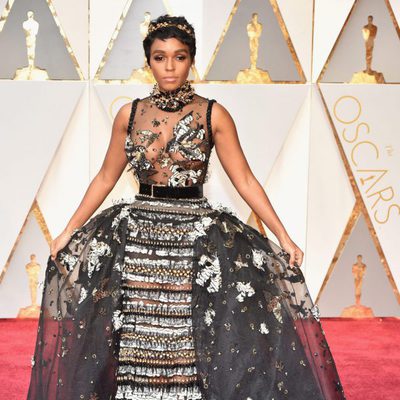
366	126
104	16
329	17
34	116
74	19
330	197
67	176
287	183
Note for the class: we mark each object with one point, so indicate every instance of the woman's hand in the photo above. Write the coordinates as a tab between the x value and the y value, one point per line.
296	255
58	243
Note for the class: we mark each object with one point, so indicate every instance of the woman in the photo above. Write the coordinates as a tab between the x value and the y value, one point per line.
169	297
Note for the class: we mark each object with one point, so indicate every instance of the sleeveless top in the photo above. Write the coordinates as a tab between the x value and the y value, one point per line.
170	148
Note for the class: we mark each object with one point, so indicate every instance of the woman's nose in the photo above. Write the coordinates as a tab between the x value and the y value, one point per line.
170	64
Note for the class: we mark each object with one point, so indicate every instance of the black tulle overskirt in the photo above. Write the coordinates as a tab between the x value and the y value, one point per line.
256	330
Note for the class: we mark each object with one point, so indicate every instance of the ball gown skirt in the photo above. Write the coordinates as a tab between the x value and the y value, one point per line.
177	299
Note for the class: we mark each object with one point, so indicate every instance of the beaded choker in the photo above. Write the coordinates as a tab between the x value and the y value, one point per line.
172	100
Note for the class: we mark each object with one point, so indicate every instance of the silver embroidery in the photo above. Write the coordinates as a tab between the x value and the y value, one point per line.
200	227
117	319
263	328
83	295
259	258
97	249
275	307
209	316
68	260
211	271
315	312
245	290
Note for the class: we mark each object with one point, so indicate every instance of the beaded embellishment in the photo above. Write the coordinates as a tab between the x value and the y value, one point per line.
172	100
160	25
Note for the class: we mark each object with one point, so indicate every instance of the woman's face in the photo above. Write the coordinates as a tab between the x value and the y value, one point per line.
170	58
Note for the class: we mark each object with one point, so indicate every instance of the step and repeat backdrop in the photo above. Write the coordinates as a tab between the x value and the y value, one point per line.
313	87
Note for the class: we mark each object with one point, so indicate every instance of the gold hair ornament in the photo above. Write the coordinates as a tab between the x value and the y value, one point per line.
185	28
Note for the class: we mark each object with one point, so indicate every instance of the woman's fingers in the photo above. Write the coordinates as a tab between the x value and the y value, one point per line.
295	254
298	257
53	252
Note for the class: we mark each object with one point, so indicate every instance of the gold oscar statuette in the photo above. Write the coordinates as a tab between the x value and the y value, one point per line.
31	72
32	269
357	310
368	75
253	74
143	75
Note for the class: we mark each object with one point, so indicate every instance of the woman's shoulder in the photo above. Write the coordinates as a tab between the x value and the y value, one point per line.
202	99
220	116
133	104
216	107
126	111
214	103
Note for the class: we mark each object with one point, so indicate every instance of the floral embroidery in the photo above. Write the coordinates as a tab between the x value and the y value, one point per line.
117	319
263	328
245	290
83	295
239	263
182	140
315	312
97	250
180	176
274	306
259	258
67	259
208	316
199	227
100	293
124	213
211	271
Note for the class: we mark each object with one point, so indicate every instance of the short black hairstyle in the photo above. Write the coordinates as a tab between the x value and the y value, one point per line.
170	32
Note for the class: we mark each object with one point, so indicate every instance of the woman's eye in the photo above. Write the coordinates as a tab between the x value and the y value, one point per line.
180	58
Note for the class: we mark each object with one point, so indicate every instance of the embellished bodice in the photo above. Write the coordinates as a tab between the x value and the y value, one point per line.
170	148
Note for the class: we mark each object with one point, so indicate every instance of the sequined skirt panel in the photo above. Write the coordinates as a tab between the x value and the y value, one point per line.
157	355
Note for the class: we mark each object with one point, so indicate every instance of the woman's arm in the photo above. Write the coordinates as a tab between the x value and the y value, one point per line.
234	162
113	165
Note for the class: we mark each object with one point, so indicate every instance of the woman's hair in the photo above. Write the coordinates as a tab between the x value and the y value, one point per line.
171	31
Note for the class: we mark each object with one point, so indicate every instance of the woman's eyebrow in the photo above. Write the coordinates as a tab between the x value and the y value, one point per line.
176	51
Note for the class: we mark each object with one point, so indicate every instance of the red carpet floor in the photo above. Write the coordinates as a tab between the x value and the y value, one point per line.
366	352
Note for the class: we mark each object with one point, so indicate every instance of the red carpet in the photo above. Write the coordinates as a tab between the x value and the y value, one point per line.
367	355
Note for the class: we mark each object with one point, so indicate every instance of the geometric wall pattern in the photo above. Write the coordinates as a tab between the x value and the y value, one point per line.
323	143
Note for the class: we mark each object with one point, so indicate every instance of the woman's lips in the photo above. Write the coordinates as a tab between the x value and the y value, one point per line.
169	79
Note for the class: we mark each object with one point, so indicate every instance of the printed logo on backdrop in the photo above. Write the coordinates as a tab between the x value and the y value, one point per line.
371	157
363	119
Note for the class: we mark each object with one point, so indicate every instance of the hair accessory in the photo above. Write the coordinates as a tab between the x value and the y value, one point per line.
172	100
160	25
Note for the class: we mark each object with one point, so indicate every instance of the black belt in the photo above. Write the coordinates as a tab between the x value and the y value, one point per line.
171	191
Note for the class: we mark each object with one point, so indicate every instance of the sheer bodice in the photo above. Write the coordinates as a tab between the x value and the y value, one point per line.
170	148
